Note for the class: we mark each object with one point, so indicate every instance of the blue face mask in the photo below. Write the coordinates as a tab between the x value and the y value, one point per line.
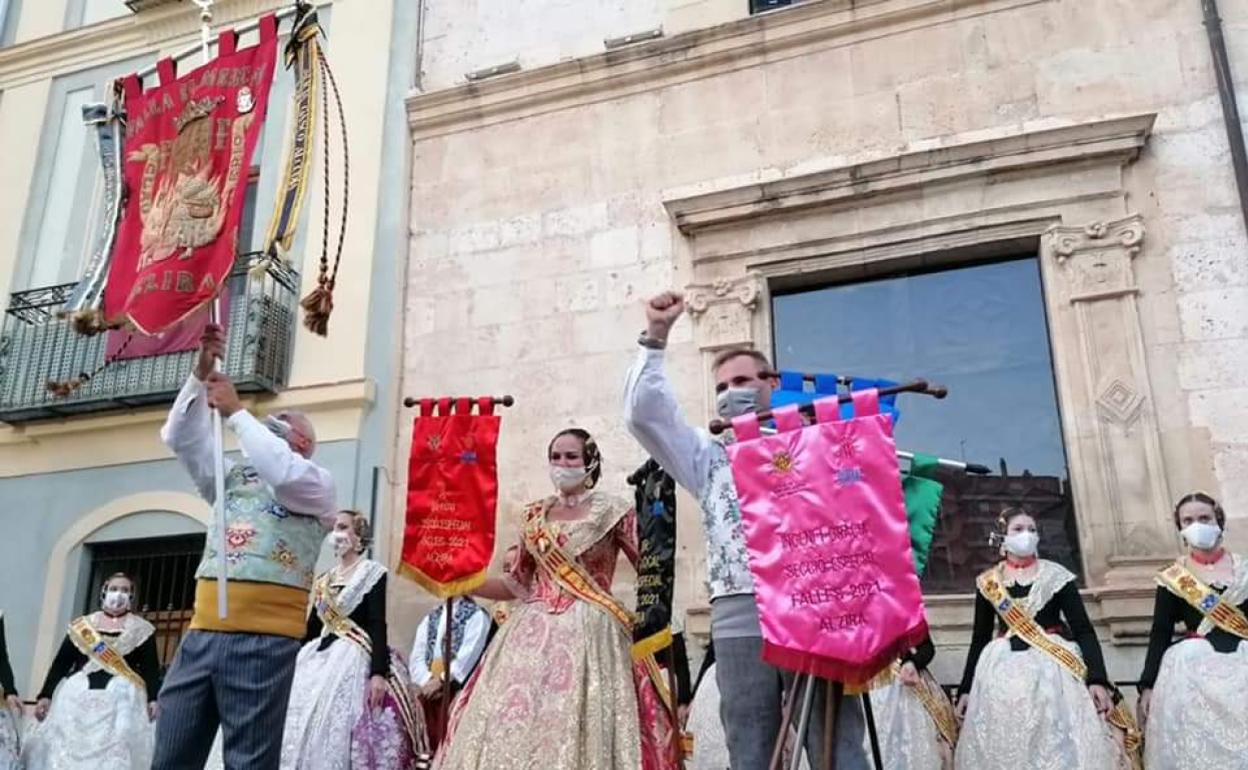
734	402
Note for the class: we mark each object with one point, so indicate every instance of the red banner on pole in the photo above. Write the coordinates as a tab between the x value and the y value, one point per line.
452	494
188	150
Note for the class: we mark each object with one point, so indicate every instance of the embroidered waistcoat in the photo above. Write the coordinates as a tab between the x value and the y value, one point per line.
264	542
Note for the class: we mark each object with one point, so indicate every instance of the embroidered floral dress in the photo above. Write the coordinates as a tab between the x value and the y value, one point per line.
329	724
906	716
558	688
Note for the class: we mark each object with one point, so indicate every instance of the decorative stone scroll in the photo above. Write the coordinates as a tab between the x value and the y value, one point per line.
723	311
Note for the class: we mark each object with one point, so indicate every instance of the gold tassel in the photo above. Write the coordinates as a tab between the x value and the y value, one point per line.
89	323
317	307
66	388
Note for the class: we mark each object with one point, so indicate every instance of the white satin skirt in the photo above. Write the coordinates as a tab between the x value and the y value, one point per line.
909	739
1027	712
1198	719
10	739
89	729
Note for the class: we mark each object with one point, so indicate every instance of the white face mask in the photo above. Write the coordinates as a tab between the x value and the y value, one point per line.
1200	535
734	402
117	601
567	479
1022	544
340	542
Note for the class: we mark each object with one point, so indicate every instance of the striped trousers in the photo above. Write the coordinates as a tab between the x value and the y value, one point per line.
240	682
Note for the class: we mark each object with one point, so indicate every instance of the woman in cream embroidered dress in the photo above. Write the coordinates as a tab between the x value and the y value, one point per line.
909	737
1194	693
91	719
557	688
346	712
1023	710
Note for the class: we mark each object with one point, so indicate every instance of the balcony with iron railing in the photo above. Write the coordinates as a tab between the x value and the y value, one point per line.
38	347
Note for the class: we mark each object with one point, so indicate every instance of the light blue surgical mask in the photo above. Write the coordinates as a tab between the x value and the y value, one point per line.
1201	535
734	402
1022	544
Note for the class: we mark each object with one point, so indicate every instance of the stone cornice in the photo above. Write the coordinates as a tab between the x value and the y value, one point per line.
1116	140
163	29
688	56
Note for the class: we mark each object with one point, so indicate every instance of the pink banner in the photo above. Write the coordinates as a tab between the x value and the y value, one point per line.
829	544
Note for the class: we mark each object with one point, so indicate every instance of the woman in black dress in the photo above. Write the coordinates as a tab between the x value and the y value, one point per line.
1037	695
99	699
1194	693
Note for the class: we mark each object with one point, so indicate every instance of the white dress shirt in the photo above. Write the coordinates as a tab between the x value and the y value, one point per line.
467	651
299	485
698	463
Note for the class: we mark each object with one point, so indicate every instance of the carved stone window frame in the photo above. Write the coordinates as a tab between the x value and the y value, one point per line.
1057	191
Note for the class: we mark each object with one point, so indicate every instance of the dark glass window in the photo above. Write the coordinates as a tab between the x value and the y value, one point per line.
164	570
758	6
980	330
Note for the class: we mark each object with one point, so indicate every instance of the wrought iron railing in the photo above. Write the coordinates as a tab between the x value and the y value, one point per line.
38	347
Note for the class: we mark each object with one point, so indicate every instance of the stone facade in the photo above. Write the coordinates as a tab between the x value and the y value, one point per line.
737	154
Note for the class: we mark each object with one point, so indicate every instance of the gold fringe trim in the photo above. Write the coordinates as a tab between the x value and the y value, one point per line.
441	590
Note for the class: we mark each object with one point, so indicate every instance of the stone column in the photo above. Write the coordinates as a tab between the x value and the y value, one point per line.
1108	411
724	312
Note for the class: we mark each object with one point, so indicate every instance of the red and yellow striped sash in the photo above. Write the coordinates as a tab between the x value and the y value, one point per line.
992	586
95	646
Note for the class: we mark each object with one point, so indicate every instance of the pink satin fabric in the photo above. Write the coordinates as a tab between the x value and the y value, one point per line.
829	545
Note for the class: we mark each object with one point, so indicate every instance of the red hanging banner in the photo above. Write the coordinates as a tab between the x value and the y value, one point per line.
188	151
452	494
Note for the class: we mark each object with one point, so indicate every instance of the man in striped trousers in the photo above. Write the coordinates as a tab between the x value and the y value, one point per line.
235	672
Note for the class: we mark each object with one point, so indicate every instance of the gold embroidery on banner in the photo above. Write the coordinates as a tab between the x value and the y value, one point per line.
782	462
1178	580
182	203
